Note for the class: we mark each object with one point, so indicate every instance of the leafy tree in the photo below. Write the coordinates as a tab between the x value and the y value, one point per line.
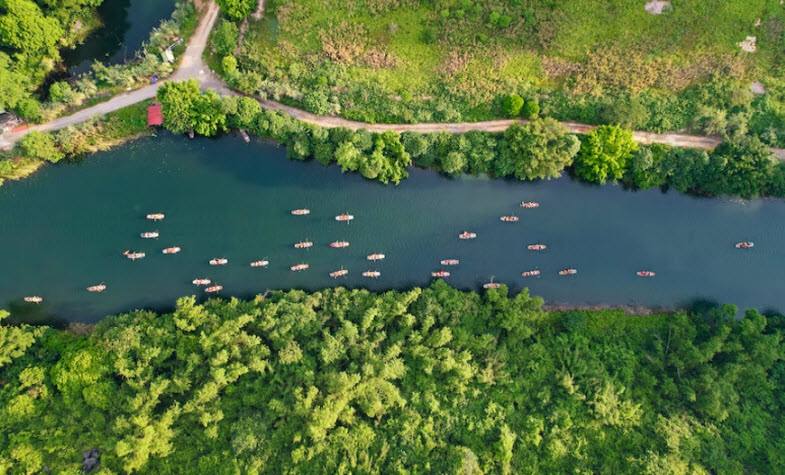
539	149
512	105
224	38
187	109
739	167
604	154
453	162
40	145
531	109
237	10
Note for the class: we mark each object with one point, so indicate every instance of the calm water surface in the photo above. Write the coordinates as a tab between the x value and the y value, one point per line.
65	228
126	26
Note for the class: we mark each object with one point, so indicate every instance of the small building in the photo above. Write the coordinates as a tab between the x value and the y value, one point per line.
8	121
155	116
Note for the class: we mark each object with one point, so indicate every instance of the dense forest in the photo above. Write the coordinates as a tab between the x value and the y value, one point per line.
430	380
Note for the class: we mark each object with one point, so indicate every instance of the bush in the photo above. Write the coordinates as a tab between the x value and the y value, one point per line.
531	109
511	105
224	38
604	154
40	145
237	10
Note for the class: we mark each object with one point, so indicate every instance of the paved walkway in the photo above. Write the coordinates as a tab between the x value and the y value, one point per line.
192	66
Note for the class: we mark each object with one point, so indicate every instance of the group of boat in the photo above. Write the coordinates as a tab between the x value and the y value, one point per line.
211	287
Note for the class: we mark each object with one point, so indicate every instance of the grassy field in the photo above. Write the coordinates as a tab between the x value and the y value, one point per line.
590	60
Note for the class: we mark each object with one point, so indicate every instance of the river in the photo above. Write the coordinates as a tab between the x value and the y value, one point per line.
126	26
65	228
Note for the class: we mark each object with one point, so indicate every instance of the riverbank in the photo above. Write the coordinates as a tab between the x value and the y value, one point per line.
76	142
426	380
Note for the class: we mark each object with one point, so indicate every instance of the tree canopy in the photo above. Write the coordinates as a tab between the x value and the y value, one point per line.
605	154
539	149
428	380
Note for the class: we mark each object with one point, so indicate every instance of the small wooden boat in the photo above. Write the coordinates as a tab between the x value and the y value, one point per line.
645	273
155	216
134	255
449	262
509	219
440	273
339	244
568	271
149	235
491	285
213	289
372	274
299	267
97	288
375	257
745	245
537	247
219	261
33	299
201	281
467	235
339	273
171	250
529	204
260	263
301	212
531	273
344	217
303	245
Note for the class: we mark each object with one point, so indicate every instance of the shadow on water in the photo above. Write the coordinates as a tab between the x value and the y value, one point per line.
33	314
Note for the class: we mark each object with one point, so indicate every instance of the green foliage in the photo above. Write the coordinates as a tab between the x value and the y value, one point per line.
187	109
237	10
428	380
604	154
512	105
539	149
40	145
223	38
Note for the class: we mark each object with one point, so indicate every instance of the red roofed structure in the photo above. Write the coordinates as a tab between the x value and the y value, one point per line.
154	115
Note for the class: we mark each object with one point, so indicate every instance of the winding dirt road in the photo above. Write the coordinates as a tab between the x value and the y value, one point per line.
192	66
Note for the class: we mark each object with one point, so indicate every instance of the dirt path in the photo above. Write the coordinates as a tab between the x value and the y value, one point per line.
193	67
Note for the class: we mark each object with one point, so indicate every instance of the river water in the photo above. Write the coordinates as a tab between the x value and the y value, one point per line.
126	26
65	228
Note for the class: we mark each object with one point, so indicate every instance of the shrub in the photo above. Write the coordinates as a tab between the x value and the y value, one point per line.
512	104
224	38
40	145
531	109
237	10
61	92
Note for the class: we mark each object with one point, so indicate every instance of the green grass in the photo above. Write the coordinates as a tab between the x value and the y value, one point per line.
449	62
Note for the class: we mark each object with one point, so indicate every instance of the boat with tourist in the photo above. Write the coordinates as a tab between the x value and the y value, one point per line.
218	261
344	217
509	219
155	216
303	245
260	263
377	256
440	274
491	285
171	250
134	255
98	288
645	273
339	244
149	235
467	235
213	289
449	262
568	271
537	247
372	274
745	245
299	267
531	273
33	299
530	204
339	273
201	281
301	212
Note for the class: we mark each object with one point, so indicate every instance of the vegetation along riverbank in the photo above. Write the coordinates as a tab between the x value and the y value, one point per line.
716	67
425	380
540	149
